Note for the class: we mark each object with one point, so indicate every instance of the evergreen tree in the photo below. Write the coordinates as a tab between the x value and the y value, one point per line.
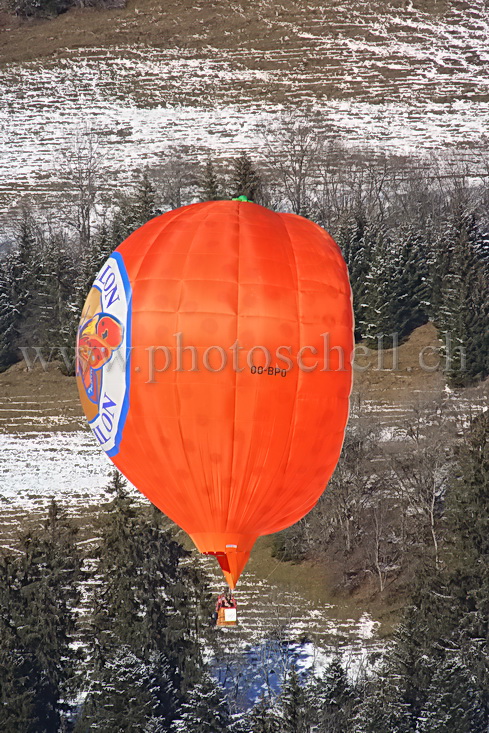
56	318
150	600
130	693
25	272
38	282
476	317
134	208
263	718
296	706
205	709
410	281
463	297
10	318
439	259
21	674
355	237
467	571
145	199
335	700
384	709
38	597
211	190
246	180
379	313
453	703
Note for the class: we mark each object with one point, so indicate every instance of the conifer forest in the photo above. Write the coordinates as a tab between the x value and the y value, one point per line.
371	613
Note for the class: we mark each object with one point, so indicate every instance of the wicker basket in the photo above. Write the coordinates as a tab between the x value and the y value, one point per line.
226	617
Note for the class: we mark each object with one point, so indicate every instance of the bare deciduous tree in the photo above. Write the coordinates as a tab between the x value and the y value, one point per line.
174	178
422	469
80	168
293	154
351	486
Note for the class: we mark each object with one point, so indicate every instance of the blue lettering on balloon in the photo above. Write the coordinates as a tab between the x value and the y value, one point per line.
108	281
97	431
107	416
108	402
105	422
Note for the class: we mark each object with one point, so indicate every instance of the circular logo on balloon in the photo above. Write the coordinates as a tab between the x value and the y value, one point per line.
103	353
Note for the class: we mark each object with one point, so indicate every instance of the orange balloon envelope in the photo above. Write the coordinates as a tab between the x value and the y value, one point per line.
214	367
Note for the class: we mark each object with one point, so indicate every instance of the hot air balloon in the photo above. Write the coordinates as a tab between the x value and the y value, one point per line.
214	367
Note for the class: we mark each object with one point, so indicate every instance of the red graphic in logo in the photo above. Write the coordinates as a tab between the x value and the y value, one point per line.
98	338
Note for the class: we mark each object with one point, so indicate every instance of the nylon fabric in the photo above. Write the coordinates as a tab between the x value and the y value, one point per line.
230	446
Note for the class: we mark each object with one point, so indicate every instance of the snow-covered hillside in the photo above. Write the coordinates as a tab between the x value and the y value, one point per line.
389	77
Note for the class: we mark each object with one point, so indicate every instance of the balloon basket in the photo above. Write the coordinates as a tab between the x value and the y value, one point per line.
227	617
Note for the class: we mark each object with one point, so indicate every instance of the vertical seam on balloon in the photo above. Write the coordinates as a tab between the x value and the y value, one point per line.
197	493
245	494
247	514
295	272
236	373
286	495
283	464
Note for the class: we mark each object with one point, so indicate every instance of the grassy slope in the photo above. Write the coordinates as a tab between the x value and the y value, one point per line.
179	23
186	24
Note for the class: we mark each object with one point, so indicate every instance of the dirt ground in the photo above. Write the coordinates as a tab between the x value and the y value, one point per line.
182	23
32	400
395	375
186	24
